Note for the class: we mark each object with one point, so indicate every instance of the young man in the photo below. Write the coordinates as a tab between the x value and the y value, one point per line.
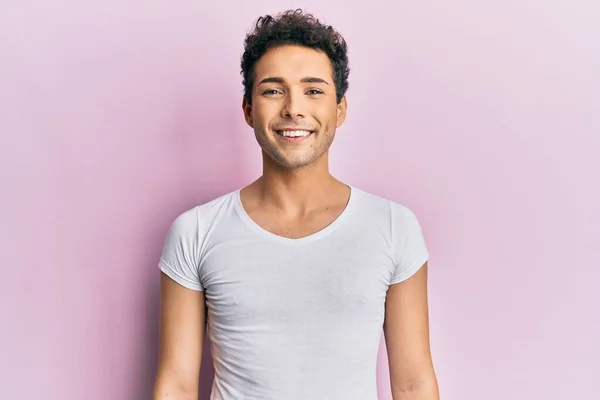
297	273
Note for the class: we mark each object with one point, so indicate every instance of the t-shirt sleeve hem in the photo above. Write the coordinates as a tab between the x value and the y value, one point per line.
168	270
410	271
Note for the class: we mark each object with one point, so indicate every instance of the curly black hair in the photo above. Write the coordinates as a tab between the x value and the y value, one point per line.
299	28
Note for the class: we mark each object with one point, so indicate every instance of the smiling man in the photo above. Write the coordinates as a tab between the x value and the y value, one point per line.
295	275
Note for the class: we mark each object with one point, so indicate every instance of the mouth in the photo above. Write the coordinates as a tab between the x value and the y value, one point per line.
293	135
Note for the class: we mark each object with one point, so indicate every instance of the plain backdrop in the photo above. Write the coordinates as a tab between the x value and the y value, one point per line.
483	117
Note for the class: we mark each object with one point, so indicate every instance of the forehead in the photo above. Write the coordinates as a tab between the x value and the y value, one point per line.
293	63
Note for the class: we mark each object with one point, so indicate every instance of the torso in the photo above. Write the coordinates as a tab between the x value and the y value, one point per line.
298	313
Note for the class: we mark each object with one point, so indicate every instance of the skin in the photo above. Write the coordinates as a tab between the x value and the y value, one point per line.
296	196
182	322
406	330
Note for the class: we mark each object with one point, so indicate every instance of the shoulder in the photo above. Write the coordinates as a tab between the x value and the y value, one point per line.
393	211
198	218
404	235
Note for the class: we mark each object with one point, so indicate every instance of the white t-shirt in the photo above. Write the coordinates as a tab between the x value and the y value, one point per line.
294	318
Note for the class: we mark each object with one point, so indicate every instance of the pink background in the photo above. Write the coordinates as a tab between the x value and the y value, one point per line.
483	117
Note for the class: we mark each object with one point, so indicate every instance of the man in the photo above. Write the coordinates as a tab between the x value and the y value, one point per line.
296	273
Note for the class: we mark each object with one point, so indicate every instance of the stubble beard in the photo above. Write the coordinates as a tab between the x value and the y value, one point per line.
298	159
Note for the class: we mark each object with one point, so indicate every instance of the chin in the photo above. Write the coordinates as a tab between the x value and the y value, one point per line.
289	163
297	162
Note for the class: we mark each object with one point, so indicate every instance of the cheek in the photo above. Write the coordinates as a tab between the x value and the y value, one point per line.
265	113
328	118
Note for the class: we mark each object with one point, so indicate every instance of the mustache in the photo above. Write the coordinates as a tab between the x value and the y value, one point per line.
292	126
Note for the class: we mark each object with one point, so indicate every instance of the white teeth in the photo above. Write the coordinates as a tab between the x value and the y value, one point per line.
294	133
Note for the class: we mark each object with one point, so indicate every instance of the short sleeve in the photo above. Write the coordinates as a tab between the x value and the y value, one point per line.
410	249
179	258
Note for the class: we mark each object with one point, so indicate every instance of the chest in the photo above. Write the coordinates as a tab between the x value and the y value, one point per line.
294	228
256	283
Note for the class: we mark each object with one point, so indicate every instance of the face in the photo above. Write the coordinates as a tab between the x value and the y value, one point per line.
294	111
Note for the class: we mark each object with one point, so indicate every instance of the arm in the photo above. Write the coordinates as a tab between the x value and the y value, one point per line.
182	325
406	330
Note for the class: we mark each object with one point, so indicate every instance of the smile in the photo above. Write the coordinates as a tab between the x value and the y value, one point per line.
293	133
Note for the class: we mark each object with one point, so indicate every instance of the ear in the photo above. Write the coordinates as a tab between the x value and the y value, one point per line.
341	112
247	109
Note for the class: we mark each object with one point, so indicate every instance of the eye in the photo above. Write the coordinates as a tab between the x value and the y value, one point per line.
271	92
314	92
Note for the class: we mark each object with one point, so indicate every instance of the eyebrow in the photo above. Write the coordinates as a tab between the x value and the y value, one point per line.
308	79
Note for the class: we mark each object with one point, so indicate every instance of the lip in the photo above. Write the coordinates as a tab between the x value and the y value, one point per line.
298	128
298	139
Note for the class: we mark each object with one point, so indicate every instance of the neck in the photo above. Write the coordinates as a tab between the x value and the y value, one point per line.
298	190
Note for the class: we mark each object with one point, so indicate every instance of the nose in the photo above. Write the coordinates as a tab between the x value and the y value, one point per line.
292	106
